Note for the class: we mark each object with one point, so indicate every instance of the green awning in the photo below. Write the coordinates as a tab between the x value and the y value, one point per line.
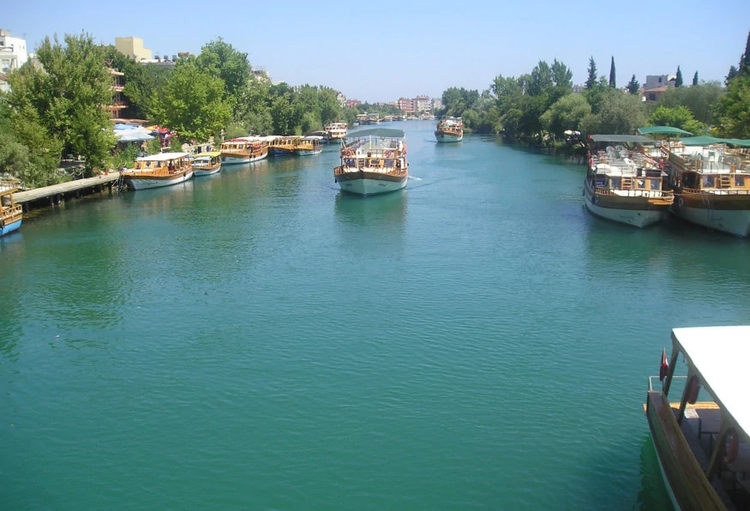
621	139
706	140
662	130
377	132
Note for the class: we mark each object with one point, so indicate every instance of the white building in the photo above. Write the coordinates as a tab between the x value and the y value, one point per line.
13	55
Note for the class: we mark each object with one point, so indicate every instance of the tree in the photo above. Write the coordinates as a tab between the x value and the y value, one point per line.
745	59
65	98
695	79
699	99
678	79
192	102
633	86
222	60
677	117
733	109
566	114
592	78
612	76
732	73
618	114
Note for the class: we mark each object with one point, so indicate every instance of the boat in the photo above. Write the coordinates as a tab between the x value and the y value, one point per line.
311	144
283	146
205	164
702	435
243	150
711	185
373	161
162	169
336	130
625	185
450	129
11	214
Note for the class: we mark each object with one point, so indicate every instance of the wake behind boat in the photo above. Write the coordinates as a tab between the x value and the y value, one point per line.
373	161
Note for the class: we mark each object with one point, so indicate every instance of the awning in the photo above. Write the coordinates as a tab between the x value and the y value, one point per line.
377	132
706	140
662	130
621	139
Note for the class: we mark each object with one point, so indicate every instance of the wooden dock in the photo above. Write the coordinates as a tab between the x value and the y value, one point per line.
57	193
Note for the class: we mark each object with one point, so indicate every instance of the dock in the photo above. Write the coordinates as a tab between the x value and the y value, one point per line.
57	193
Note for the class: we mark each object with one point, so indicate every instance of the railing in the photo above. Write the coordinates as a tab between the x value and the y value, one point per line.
10	212
651	194
716	191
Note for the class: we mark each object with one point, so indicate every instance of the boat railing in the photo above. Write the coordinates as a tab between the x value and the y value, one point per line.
10	211
648	193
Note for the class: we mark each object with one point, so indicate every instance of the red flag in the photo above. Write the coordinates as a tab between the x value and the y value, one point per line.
664	367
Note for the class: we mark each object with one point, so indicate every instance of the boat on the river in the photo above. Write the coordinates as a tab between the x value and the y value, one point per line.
711	185
336	130
373	161
283	146
163	169
702	437
243	150
11	214
625	184
311	144
450	129
205	164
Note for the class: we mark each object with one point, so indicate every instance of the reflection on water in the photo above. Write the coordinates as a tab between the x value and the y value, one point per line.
375	221
652	494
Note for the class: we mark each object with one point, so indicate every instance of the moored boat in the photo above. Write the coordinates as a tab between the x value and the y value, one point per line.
309	145
450	129
373	161
205	164
156	170
283	146
711	186
11	214
336	130
625	185
702	438
243	150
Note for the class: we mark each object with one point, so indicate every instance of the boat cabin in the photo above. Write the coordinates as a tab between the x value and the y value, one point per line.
700	418
163	162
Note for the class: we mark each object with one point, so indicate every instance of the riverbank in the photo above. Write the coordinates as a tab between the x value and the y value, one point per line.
55	194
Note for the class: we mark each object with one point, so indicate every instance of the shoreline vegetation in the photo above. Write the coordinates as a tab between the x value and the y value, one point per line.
56	108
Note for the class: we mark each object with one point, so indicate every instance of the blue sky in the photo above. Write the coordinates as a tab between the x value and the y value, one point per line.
380	50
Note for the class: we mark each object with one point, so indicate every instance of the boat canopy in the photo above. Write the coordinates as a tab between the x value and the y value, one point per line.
706	140
662	130
163	157
621	139
377	132
207	154
721	356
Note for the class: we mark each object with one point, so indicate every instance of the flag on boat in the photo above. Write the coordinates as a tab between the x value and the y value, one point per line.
664	366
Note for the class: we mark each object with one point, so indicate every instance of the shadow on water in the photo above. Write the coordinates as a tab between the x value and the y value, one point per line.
376	210
652	494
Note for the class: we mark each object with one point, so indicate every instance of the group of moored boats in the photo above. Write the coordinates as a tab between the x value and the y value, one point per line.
637	181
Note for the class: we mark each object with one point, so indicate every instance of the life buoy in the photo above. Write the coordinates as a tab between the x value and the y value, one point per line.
731	445
692	389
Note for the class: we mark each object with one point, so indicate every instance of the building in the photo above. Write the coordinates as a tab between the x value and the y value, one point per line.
13	55
437	104
407	105
656	86
133	48
351	103
422	104
118	101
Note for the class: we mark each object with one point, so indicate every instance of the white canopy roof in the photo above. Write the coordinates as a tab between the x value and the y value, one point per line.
721	355
163	156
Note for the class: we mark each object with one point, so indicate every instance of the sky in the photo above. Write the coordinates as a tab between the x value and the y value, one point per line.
381	50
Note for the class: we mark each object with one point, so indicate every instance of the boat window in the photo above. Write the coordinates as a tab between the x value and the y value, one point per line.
389	163
708	181
614	183
739	181
655	184
641	183
350	162
361	163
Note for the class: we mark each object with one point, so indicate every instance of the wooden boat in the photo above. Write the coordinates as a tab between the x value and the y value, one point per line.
163	169
711	186
11	214
450	129
243	150
308	145
373	161
702	438
336	130
283	146
205	164
625	185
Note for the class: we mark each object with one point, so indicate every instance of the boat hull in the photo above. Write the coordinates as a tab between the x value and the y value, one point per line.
684	478
240	159
731	221
10	227
145	182
448	137
370	183
635	211
308	152
206	172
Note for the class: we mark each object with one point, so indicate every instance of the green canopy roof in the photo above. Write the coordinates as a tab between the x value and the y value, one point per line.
621	139
706	140
662	130
377	132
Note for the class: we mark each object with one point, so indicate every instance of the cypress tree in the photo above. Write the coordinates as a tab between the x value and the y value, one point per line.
745	60
695	78
678	80
732	73
612	78
591	80
633	86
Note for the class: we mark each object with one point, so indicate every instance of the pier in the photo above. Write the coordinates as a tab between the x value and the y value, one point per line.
55	194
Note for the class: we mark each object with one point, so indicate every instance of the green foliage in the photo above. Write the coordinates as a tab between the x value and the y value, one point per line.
732	73
745	59
612	74
700	99
618	113
123	157
733	109
678	81
695	79
566	113
222	60
592	77
677	117
65	98
192	103
633	86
